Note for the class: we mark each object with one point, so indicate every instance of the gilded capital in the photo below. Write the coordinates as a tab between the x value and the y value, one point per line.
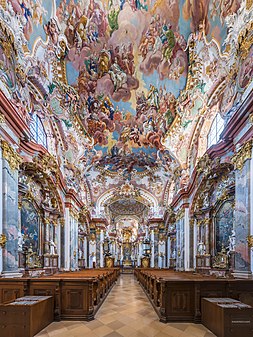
180	214
74	214
250	241
242	155
191	222
12	157
46	221
3	240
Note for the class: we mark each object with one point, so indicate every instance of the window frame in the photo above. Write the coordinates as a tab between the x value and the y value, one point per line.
37	130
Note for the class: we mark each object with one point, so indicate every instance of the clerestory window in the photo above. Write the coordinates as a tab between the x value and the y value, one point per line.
37	130
215	131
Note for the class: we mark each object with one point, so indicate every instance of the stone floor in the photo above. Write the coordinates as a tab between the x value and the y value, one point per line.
126	312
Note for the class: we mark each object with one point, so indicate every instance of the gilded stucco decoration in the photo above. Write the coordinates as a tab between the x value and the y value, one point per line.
250	241
3	240
124	100
242	155
12	157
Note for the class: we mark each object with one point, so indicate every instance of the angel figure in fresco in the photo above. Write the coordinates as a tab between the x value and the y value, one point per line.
168	41
118	76
153	96
38	12
24	9
104	61
135	135
52	30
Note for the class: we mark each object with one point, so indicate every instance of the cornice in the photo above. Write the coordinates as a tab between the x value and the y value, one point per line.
71	195
100	220
239	119
12	118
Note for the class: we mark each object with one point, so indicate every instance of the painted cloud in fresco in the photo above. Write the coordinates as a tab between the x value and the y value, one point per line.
126	68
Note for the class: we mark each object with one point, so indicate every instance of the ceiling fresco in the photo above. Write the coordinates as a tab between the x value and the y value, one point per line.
124	86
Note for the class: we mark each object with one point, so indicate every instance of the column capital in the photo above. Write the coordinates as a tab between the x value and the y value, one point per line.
12	157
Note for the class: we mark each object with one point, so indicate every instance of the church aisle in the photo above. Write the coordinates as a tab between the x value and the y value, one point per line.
126	312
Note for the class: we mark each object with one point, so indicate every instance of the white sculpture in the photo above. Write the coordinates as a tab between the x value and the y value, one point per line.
231	247
52	247
80	253
20	242
201	248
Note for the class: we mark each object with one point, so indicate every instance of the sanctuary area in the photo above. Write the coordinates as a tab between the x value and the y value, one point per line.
126	151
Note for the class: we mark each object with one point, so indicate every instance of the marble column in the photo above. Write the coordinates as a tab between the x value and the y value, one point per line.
168	251
139	254
152	243
85	255
47	235
195	241
243	183
57	241
73	242
66	244
10	219
186	240
92	251
1	209
251	210
161	254
101	249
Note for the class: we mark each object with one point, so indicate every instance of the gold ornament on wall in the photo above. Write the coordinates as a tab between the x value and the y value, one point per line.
192	222
250	241
12	157
242	155
245	41
204	165
180	214
3	4
2	118
249	4
3	240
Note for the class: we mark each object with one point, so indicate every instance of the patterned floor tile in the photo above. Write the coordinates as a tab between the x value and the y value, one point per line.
126	312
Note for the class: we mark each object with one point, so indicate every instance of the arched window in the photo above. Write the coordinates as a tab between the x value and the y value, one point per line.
216	129
37	130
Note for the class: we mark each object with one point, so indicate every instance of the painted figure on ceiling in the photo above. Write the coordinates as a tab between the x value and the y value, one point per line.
52	30
197	11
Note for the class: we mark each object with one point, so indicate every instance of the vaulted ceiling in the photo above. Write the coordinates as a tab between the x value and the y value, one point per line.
124	87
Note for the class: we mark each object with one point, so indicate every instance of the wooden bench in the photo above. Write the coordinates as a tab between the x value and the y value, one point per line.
26	316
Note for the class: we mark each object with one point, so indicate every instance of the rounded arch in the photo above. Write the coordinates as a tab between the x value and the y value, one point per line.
144	197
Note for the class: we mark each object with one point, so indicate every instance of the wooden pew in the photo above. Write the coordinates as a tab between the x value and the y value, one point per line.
176	296
76	295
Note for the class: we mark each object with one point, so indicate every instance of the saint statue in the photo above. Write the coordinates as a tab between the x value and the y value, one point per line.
201	248
52	246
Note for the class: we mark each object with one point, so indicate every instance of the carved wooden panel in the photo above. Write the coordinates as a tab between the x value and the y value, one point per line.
10	290
73	299
180	301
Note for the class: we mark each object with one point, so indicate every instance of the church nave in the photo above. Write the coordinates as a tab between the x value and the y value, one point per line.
125	312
